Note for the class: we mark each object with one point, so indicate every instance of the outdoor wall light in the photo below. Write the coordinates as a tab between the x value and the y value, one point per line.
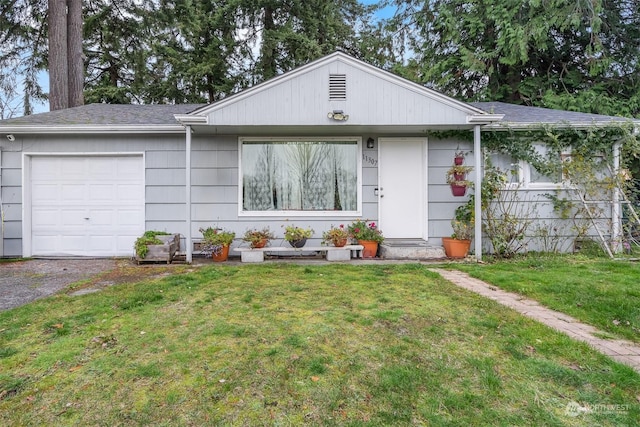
338	115
370	142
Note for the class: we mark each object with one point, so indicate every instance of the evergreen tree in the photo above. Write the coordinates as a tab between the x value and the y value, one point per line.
556	53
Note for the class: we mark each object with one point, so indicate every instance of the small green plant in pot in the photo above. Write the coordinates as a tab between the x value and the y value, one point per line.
361	230
141	245
458	245
216	242
297	236
337	236
258	238
367	235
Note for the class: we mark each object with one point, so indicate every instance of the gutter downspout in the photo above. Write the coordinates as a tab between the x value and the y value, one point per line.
616	215
477	150
188	237
1	212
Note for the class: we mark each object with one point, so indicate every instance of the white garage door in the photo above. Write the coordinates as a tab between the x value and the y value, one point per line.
86	205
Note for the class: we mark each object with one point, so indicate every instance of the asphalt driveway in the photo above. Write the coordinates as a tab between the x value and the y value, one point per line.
24	281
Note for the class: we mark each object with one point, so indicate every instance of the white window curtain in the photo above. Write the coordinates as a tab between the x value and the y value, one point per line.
299	175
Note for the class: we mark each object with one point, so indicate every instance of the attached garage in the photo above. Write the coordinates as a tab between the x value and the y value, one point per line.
83	205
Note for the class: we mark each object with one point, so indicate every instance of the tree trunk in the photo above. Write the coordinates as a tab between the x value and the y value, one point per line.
269	45
58	64
74	52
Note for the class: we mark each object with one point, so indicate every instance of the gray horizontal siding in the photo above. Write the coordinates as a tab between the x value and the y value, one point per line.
11	177
11	194
303	99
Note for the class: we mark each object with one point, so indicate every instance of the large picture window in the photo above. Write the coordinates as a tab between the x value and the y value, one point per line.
299	175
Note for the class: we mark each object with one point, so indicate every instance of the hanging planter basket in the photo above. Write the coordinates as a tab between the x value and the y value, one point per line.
458	190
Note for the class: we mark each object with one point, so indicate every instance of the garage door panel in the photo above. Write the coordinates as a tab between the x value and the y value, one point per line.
69	242
46	244
102	192
42	193
72	168
45	218
129	218
101	217
73	218
101	244
71	193
127	169
130	192
86	205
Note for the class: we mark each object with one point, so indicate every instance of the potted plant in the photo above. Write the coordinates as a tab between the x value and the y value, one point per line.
297	236
457	179
337	236
367	235
258	238
156	246
458	245
458	157
216	242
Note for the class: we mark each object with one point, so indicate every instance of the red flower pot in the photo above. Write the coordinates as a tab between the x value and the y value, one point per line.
458	190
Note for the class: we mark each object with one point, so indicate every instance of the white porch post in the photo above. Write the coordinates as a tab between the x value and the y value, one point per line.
188	238
477	155
616	215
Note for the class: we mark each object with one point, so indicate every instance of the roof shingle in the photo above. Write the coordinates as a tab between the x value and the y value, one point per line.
106	114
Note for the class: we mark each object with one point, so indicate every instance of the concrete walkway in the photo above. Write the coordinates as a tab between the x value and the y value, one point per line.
622	351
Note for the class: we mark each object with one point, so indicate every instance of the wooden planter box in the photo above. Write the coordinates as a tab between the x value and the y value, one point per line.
164	252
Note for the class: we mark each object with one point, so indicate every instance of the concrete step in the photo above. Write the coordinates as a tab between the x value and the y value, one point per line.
417	249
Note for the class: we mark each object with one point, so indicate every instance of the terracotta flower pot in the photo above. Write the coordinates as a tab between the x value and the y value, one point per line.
458	161
339	243
222	255
455	248
259	244
370	248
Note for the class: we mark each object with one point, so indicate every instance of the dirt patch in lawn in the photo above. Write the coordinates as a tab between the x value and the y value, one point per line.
27	280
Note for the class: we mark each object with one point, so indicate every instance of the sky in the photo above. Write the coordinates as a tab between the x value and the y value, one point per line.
43	76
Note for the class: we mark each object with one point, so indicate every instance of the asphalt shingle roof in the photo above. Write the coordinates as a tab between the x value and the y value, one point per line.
119	114
107	114
521	114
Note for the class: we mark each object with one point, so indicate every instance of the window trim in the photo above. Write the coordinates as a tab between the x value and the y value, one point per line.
300	213
525	177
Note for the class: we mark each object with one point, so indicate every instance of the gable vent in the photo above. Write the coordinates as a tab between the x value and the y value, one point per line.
337	87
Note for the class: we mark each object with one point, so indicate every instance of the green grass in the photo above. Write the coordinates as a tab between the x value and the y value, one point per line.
601	292
279	344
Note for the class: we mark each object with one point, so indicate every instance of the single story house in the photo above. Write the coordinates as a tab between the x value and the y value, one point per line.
332	141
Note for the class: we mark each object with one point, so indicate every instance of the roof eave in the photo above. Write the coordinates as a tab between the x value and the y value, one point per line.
484	119
84	129
566	125
188	119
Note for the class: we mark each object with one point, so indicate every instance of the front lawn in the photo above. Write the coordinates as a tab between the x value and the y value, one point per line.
279	344
601	292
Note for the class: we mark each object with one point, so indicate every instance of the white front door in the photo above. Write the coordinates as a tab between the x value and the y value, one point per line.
85	205
402	187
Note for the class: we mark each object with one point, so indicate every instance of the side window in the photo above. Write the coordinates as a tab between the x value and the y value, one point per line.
507	165
544	178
